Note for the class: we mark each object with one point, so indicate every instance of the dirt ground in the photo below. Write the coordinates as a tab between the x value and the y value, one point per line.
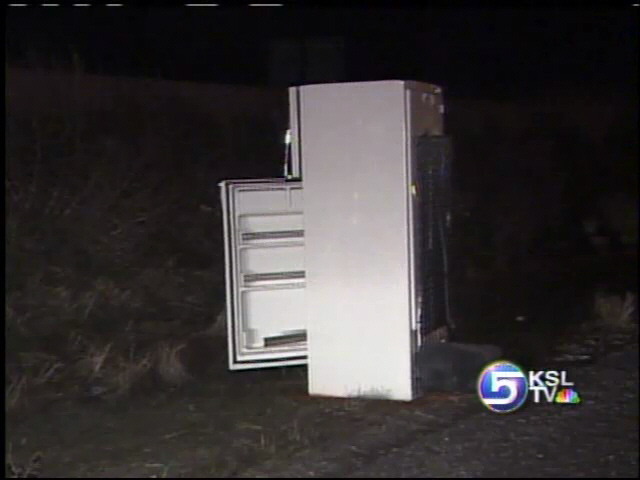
214	430
234	422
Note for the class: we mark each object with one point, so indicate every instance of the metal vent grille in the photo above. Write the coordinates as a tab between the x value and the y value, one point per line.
434	161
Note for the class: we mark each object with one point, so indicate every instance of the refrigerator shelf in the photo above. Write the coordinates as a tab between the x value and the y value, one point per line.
250	278
271	244
273	235
286	339
274	286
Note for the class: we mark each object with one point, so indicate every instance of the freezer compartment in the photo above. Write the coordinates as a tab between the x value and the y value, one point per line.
265	272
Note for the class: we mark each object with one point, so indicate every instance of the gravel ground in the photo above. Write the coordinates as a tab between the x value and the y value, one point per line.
598	437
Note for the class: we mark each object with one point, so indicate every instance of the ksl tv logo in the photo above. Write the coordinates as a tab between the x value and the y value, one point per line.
503	387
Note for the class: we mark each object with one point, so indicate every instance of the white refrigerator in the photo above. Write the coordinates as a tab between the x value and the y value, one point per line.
341	264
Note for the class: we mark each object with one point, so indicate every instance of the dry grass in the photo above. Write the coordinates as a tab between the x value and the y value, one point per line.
169	366
616	311
113	243
30	469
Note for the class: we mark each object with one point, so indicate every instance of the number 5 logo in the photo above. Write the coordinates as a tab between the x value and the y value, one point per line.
499	380
502	387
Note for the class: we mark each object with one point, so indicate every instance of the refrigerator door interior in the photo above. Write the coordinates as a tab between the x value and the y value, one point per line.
265	273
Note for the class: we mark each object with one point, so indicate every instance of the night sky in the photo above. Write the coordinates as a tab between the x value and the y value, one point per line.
484	52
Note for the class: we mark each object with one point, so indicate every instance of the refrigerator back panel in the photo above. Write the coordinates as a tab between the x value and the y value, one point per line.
359	151
265	272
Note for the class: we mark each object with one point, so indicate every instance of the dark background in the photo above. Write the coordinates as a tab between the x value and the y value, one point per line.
541	102
487	52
